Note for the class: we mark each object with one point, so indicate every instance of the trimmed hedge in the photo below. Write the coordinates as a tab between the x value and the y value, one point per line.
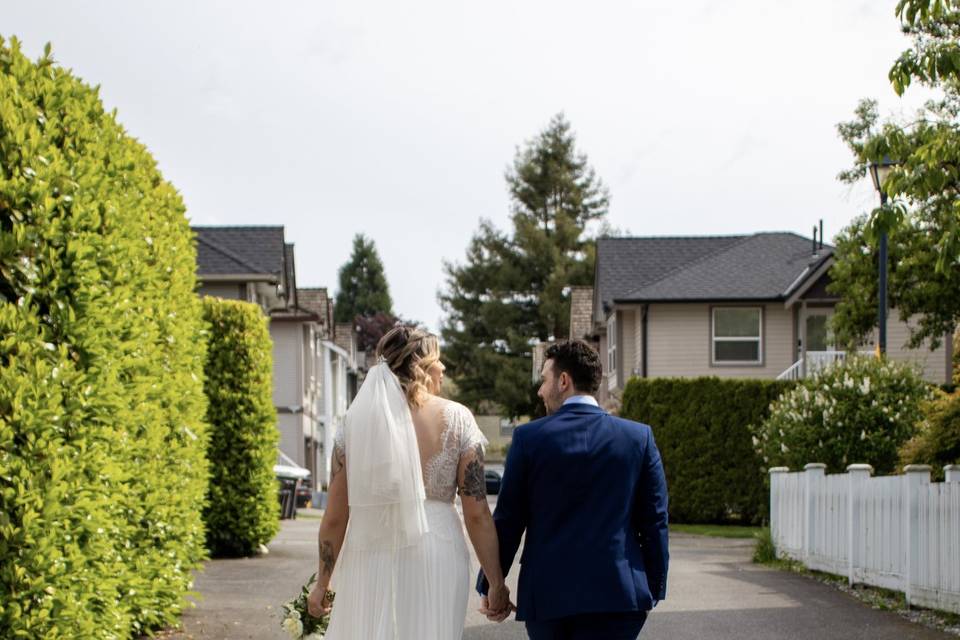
242	507
702	428
102	439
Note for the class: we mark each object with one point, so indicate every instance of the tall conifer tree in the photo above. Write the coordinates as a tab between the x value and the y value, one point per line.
510	292
363	287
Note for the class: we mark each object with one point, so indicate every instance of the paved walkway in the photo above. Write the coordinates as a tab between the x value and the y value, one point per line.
714	592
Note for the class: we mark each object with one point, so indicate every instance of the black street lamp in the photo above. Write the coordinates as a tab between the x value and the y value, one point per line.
879	172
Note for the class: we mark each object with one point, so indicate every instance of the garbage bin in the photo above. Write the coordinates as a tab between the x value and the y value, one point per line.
289	474
288	497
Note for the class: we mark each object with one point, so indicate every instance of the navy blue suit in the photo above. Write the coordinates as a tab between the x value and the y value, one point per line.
589	491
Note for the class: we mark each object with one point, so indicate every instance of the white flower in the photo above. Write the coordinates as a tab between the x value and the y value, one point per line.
756	441
314	636
865	386
293	627
863	434
784	448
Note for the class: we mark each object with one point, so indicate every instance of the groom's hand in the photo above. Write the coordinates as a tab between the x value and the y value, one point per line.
494	610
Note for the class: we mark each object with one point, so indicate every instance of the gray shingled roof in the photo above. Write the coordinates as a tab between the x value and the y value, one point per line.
762	266
624	265
240	250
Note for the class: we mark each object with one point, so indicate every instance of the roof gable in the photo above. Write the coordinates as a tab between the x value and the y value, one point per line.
240	250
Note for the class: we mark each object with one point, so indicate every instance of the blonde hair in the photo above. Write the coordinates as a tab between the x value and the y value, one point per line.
410	353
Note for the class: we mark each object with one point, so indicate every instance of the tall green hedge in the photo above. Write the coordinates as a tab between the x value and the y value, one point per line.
701	426
242	511
102	438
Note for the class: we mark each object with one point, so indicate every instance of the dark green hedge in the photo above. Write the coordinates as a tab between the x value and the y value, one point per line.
701	426
242	510
102	439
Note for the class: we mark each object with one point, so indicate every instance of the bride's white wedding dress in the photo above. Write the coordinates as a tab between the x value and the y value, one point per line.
418	591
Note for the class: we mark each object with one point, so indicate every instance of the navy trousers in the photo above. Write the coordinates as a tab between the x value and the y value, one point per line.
625	625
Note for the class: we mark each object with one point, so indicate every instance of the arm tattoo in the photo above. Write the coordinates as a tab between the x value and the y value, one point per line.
327	558
338	462
474	484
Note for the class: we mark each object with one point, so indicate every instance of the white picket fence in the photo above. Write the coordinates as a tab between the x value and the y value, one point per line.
896	532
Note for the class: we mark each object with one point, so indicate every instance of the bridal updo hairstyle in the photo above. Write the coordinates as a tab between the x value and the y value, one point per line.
410	353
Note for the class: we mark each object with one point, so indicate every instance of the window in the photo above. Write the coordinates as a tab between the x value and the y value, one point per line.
612	344
737	335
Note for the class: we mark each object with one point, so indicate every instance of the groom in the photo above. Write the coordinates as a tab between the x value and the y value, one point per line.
589	491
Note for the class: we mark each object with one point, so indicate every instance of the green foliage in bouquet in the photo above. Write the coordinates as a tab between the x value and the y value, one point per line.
858	411
297	621
937	442
102	438
701	426
242	510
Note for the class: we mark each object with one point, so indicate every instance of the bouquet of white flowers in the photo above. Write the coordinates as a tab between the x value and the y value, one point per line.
298	622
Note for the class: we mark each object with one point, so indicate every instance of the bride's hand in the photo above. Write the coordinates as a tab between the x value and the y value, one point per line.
498	601
318	605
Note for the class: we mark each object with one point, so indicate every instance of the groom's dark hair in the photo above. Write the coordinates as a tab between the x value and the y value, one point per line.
580	361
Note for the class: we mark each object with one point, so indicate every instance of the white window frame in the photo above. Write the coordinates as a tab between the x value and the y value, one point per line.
612	344
714	339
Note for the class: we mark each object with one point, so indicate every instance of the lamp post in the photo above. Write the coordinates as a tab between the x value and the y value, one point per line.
879	172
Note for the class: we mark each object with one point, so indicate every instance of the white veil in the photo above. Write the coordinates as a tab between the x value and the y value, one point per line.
384	479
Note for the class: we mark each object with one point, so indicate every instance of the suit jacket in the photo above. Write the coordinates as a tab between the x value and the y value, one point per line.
589	491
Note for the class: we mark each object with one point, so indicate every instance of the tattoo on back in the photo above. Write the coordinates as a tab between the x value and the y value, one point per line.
327	558
474	485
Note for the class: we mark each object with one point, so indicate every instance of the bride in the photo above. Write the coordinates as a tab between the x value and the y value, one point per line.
402	565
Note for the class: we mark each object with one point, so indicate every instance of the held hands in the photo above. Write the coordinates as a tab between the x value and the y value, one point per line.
496	605
318	602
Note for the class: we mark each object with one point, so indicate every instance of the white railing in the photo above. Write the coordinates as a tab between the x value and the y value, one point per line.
896	532
811	363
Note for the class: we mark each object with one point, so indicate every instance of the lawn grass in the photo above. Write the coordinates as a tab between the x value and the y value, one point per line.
716	530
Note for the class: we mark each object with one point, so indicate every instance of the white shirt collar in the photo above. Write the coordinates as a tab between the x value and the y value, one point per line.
582	400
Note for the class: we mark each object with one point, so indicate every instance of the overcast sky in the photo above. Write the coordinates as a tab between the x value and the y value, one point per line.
398	119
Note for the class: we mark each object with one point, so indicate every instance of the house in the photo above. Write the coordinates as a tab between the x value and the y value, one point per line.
311	373
730	306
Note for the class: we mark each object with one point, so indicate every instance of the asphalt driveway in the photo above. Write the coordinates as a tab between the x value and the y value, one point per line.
714	592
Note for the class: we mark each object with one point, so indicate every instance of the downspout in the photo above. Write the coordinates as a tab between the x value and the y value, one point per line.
643	341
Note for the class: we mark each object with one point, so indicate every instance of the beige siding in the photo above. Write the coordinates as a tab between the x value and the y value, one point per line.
287	366
637	342
934	364
627	345
226	290
679	342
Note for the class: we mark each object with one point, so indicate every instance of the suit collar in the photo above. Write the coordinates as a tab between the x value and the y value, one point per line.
577	407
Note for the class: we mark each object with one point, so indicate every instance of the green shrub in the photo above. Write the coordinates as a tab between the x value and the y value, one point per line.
102	439
764	551
702	428
937	441
860	410
242	510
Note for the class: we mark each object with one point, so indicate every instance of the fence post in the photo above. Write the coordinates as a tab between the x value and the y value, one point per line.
776	497
951	473
915	476
857	477
813	473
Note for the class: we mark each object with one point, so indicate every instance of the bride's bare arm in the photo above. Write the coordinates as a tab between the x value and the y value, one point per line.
332	529
472	487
